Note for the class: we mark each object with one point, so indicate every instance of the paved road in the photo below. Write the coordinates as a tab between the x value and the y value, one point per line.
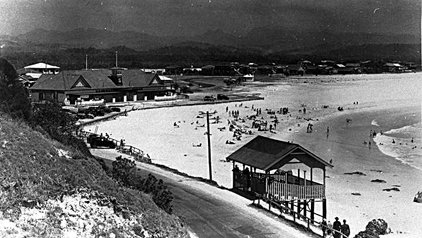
210	215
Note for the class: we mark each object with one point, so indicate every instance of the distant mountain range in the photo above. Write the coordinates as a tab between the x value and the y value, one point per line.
260	43
268	39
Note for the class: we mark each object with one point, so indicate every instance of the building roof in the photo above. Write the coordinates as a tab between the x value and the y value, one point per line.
137	78
93	79
41	66
268	154
165	78
297	67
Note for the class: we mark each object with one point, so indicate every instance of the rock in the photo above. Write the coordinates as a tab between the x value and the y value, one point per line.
378	181
356	172
364	234
391	189
374	229
378	225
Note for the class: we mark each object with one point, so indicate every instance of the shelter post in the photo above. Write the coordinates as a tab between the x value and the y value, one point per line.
209	144
298	208
312	210
324	208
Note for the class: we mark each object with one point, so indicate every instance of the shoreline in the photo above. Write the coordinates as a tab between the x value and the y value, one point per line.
172	146
353	195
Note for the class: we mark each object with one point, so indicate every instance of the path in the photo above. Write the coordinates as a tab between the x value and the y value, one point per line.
213	212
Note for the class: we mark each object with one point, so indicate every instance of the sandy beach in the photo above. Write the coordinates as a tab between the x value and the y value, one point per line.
387	102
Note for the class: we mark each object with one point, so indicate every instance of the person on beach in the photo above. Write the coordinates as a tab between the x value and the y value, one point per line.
337	227
324	227
247	175
345	229
328	131
236	169
329	229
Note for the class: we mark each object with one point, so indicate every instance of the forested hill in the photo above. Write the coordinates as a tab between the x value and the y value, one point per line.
68	49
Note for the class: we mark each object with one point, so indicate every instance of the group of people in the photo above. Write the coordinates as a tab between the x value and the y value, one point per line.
234	113
336	230
309	129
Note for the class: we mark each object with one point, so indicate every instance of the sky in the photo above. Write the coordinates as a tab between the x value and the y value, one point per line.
192	17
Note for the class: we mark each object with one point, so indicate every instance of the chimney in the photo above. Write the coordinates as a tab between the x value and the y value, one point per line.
116	75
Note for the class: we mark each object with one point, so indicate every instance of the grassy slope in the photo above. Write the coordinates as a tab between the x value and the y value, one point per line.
34	171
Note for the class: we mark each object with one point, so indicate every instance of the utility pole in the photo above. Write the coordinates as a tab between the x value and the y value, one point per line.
86	62
116	58
209	144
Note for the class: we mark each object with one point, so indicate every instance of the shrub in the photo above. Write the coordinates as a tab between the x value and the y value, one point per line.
58	124
124	171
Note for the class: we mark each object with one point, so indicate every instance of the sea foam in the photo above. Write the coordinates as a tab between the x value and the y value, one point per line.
403	143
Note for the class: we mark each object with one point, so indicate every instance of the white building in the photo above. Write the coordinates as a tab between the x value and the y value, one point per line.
36	70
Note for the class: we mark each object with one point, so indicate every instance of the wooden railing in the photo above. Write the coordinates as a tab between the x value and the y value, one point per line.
136	153
284	191
280	187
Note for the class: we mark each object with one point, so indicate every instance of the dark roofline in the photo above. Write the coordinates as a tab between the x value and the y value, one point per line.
281	155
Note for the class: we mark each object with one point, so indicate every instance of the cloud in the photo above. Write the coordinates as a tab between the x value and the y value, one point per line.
183	17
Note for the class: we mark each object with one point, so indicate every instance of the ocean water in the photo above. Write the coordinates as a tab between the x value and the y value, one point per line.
407	146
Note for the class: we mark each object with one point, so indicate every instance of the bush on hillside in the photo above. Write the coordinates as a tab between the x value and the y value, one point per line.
58	124
14	97
43	191
124	171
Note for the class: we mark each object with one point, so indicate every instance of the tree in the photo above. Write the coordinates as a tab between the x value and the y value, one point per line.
14	97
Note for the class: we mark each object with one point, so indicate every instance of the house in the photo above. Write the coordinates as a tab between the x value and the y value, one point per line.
392	67
224	69
115	85
174	70
166	80
191	71
208	70
36	70
266	69
295	69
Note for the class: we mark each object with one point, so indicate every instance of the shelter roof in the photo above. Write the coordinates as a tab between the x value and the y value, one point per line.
41	66
267	154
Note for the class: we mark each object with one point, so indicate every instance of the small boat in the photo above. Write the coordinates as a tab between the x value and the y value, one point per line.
418	197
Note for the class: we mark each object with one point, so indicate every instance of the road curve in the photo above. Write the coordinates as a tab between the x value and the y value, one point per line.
213	212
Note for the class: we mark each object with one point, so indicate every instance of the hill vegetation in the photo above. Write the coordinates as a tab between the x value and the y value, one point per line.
50	185
261	45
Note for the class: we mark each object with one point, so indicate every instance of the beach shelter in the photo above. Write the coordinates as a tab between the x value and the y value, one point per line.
263	160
